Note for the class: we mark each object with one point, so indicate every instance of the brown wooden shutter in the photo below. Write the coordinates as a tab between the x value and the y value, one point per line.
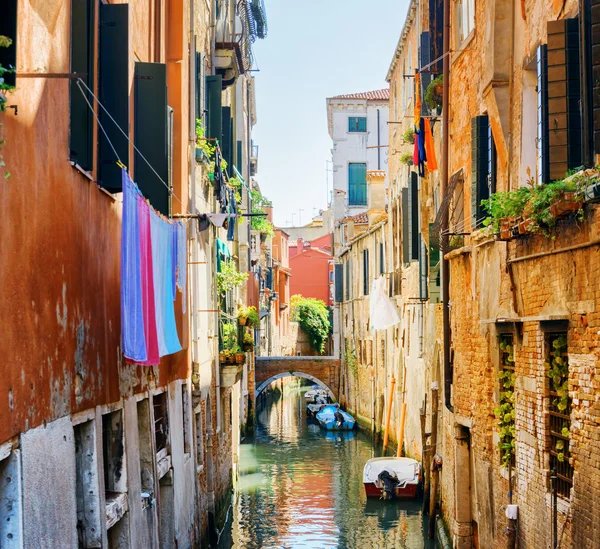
564	94
595	57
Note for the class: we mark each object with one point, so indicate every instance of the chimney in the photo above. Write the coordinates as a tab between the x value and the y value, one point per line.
350	228
376	194
339	204
300	245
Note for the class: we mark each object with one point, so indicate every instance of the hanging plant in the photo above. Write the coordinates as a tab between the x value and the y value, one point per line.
205	149
248	316
435	93
406	158
409	136
229	277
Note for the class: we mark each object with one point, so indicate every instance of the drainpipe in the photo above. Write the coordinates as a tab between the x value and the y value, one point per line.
378	139
444	242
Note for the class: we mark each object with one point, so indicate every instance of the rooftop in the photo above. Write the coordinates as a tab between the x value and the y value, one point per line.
376	95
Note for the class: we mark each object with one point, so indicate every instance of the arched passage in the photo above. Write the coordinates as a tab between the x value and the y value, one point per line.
268	382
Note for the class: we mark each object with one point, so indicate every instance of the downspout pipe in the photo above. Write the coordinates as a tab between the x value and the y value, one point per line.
378	139
444	240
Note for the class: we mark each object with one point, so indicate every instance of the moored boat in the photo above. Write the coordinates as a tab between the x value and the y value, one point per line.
312	394
392	477
332	418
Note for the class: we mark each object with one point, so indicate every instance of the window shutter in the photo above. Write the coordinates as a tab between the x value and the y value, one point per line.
114	93
424	60
366	272
381	259
8	27
479	167
357	184
362	124
227	138
595	72
213	106
406	241
339	283
542	130
150	119
564	95
436	29
347	279
82	62
239	159
414	215
423	268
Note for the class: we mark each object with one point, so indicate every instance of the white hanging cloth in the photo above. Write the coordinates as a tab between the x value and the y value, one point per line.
383	311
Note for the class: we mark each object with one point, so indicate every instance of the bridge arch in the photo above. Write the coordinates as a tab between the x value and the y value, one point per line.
275	377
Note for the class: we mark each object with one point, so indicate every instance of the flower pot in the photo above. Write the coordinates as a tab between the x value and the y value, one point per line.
230	359
242	320
567	203
248	348
525	225
506	226
222	358
240	358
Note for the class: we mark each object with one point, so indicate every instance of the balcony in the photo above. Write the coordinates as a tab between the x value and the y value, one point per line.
254	160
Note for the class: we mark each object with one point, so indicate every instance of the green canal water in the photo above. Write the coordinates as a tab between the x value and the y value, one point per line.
300	487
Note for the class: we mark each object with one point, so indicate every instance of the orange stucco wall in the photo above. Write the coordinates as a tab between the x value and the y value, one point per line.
310	274
60	243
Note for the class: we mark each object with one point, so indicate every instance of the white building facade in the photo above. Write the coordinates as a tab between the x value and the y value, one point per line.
358	126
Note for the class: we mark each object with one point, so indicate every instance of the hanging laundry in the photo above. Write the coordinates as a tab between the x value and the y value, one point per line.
182	262
162	249
147	279
132	313
417	114
416	150
218	219
232	211
203	223
429	148
420	139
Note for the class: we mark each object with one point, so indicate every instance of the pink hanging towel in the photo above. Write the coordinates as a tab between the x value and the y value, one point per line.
416	151
147	284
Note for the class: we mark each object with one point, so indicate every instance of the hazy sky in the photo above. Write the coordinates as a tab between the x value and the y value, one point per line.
315	49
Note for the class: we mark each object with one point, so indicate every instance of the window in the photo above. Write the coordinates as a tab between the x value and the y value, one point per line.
199	437
145	446
366	272
542	117
82	62
113	453
8	28
483	167
161	422
185	416
505	412
357	184
560	411
465	19
357	124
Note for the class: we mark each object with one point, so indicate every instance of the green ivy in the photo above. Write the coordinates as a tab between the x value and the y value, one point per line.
558	372
313	316
350	359
229	277
505	412
260	222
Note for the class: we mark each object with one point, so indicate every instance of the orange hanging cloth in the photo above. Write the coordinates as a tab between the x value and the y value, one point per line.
417	99
429	148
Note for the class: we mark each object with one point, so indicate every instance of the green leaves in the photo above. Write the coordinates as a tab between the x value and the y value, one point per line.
229	277
313	317
260	223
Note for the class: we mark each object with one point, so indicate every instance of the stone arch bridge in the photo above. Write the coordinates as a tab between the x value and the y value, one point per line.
325	371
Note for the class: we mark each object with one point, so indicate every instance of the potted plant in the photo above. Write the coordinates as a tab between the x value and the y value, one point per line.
434	93
567	200
248	342
230	342
229	277
240	357
406	158
409	136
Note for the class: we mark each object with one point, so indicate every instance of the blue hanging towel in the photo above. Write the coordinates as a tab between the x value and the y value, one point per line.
422	153
162	264
132	313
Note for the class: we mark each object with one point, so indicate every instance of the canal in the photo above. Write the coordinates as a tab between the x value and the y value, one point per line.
301	487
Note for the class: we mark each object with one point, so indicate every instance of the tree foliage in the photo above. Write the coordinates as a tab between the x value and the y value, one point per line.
313	316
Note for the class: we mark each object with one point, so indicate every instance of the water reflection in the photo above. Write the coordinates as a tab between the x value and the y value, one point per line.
301	487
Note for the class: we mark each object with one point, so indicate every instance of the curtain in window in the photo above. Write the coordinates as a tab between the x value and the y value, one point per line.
357	184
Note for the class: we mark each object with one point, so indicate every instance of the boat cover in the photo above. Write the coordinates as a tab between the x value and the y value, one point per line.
327	420
406	469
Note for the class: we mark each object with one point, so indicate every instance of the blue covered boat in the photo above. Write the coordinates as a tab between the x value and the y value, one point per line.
332	418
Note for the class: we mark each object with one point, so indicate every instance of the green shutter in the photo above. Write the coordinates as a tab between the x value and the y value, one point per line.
366	272
339	283
479	167
8	27
414	216
595	71
114	92
542	130
227	137
82	62
348	282
423	268
239	159
150	113
213	106
357	184
406	243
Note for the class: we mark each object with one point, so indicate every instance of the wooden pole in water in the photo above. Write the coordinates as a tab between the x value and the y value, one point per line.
434	468
401	436
388	417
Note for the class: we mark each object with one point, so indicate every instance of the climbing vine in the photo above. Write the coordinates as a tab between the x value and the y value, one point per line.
229	277
313	316
558	372
350	358
505	412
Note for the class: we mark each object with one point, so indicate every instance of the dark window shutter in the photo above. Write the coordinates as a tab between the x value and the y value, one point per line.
366	272
339	283
381	259
239	159
114	92
213	106
406	242
542	130
199	86
227	138
270	278
480	163
8	28
150	116
414	215
595	71
347	279
82	62
564	95
436	29
424	60
423	268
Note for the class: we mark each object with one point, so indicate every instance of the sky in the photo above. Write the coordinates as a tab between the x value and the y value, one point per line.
314	49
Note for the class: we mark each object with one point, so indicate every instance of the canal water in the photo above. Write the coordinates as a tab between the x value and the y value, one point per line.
300	487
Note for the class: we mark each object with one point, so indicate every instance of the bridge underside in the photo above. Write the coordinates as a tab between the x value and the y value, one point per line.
324	371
